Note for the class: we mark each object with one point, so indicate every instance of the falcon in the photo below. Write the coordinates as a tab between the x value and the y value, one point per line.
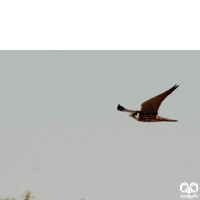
149	109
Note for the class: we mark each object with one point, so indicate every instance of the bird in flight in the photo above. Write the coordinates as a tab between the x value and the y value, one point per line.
149	109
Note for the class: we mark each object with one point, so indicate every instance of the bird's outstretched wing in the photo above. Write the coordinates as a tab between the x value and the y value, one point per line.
152	105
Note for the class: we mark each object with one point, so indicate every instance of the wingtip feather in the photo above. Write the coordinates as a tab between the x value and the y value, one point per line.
175	86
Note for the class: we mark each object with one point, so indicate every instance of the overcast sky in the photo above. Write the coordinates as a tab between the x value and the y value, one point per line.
61	136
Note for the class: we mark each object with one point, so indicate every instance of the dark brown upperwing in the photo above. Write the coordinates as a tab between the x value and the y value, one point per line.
152	105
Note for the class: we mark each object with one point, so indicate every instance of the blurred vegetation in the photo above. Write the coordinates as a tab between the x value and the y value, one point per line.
8	199
27	196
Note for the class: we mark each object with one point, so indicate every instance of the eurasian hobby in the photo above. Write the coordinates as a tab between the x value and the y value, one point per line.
149	108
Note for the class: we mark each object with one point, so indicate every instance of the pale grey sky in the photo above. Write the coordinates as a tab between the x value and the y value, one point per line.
63	138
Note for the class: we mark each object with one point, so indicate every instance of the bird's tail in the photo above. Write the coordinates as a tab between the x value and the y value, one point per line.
166	119
121	108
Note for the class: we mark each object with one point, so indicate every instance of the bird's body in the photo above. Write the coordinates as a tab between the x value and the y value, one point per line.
149	108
